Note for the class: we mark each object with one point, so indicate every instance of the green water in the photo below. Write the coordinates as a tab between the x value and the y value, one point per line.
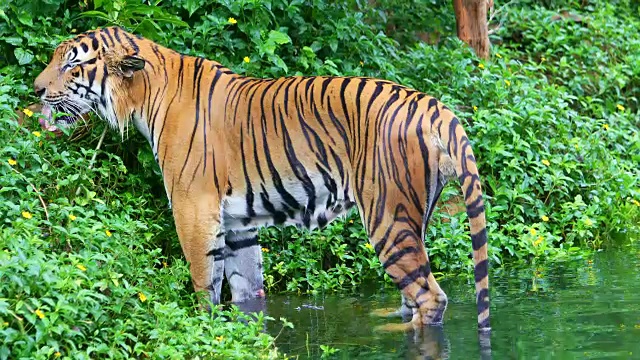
580	309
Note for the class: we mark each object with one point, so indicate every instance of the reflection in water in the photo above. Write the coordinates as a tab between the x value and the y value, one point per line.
589	308
429	343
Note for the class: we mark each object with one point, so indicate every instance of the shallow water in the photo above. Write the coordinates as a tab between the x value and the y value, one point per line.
582	309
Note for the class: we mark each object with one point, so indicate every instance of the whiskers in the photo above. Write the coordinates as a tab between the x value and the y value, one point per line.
77	107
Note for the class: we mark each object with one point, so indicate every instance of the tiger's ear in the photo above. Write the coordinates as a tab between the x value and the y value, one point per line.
130	64
123	63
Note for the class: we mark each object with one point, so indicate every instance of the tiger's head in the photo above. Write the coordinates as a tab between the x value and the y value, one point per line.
93	71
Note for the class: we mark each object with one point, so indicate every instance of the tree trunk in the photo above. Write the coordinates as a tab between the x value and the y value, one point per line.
473	29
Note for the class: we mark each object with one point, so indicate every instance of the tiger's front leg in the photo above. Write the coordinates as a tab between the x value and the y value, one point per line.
203	243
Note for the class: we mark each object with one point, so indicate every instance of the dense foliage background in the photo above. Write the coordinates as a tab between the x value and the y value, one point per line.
89	260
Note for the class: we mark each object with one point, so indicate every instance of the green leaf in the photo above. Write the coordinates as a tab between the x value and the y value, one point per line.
278	37
13	40
4	16
93	13
24	56
26	18
191	6
277	60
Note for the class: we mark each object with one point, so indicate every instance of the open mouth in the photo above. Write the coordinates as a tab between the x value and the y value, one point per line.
53	124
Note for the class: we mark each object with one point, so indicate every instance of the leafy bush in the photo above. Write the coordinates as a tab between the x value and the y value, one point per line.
553	117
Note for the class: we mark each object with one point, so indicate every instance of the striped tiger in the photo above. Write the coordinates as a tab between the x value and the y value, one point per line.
238	153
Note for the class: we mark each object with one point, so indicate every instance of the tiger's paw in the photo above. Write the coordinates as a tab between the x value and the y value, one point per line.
387	312
395	327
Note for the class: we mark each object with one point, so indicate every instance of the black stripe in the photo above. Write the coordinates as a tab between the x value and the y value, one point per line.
475	208
218	254
242	244
289	200
279	217
91	76
339	127
116	33
180	73
300	172
106	31
481	270
133	44
196	79
483	304
204	136
433	103
422	271
249	195
396	256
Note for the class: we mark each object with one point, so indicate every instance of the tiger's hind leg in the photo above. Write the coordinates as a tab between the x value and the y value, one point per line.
397	240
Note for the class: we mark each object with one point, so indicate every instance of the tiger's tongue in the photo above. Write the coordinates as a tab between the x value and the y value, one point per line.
47	122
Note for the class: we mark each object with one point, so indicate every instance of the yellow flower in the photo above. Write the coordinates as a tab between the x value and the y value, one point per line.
481	66
588	222
605	126
11	162
36	133
507	82
620	107
544	218
81	267
72	217
368	246
475	108
164	264
232	21
265	250
498	56
28	112
142	297
73	30
546	162
533	231
39	313
538	241
26	215
220	338
108	233
57	354
636	202
543	59
246	59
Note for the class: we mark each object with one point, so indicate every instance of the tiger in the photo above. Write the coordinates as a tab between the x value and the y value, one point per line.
239	153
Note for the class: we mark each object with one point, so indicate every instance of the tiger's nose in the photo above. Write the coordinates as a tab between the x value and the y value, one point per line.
39	90
40	85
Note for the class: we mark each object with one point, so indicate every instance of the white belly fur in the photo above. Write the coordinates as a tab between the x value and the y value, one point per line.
235	212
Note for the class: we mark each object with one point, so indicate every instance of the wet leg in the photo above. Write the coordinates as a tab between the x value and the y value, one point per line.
243	266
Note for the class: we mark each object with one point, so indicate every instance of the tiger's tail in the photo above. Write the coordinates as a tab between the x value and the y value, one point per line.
457	146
